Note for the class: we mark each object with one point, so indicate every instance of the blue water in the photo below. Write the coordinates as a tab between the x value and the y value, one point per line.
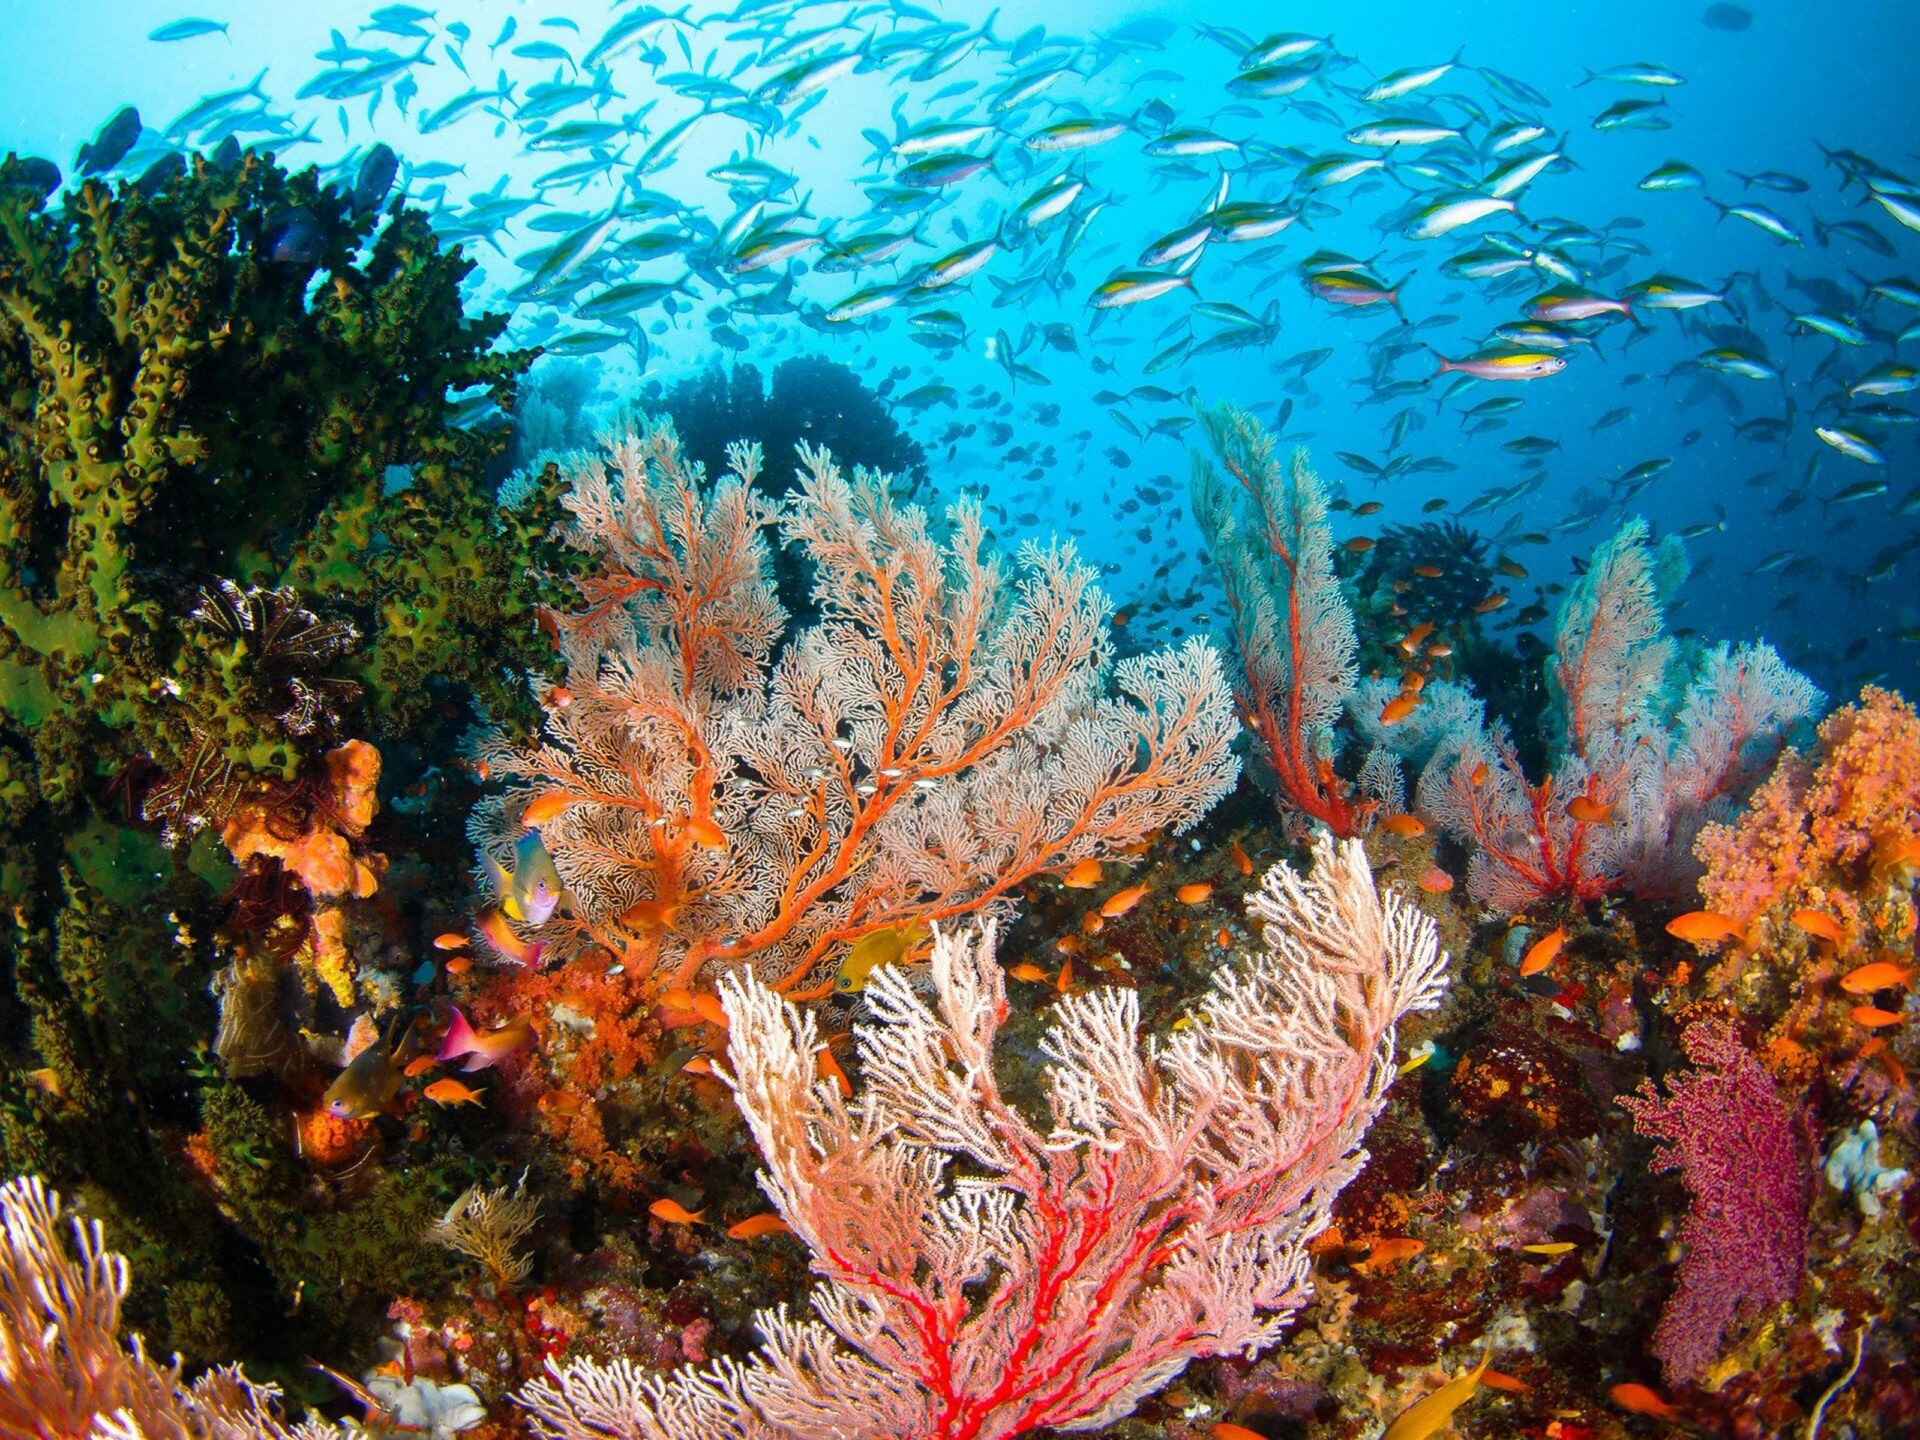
1830	583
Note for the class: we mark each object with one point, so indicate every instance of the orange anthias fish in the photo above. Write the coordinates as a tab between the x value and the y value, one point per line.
1704	927
1880	975
1643	1400
1242	861
705	833
1389	1252
1407	827
1820	925
674	1213
482	1048
1872	1017
500	936
451	940
1227	1430
1030	972
1398	709
451	1092
549	805
754	1226
1195	894
1121	901
1083	876
1436	881
1543	952
1588	811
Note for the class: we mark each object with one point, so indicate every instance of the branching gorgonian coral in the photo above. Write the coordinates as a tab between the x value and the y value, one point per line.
713	786
984	1276
1649	753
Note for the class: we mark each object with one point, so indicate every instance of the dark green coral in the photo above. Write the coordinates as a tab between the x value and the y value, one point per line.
243	516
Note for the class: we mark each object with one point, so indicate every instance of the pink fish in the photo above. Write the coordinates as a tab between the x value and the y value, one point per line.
500	936
483	1048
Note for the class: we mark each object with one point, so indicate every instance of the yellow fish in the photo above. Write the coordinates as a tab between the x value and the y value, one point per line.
882	947
1430	1413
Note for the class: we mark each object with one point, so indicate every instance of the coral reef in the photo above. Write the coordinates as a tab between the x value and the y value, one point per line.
1173	1201
1650	750
1266	527
925	747
242	524
1745	1162
808	401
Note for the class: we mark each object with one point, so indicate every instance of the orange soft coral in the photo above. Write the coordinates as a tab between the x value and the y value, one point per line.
321	852
1818	873
1818	834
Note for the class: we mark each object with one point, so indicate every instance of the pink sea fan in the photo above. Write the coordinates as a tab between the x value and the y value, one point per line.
1638	775
1744	1159
982	1275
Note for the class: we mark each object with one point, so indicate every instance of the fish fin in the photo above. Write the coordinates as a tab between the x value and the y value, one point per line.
459	1039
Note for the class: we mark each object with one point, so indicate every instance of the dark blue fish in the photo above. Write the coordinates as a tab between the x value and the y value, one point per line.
375	180
111	145
161	173
30	172
1731	18
298	239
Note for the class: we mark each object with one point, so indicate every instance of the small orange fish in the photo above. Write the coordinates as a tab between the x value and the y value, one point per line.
1369	507
1398	709
1227	1430
650	914
674	1213
1121	901
544	807
1880	975
1440	650
828	1068
1389	1252
709	1009
1194	894
1819	924
1242	861
458	964
678	998
1406	827
420	1065
452	940
1543	952
1031	973
1064	980
698	1065
1413	682
1428	572
1704	927
1479	775
1492	603
558	697
1083	876
704	833
754	1226
1410	642
1643	1400
1500	1380
1436	881
1091	923
1872	1017
1069	945
1358	545
451	1092
1588	811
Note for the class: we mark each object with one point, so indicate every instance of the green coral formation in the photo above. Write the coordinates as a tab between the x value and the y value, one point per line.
245	512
